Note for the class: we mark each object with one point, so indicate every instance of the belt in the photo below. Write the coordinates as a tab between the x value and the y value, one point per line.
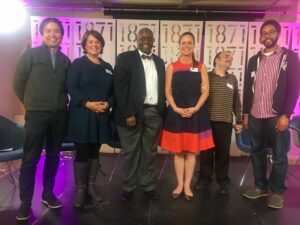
148	106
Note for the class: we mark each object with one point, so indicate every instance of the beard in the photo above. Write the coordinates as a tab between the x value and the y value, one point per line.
270	42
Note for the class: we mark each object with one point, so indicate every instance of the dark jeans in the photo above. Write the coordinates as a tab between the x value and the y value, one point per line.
41	129
218	157
263	134
86	151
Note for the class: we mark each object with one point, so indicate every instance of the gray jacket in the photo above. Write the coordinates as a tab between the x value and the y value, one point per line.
39	85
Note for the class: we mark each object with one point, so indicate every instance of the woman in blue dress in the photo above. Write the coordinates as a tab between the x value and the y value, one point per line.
90	81
186	128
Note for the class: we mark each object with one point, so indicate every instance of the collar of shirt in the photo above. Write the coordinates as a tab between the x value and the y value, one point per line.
141	53
225	75
277	51
58	50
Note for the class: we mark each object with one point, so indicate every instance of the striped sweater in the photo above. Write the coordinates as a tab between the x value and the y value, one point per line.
224	98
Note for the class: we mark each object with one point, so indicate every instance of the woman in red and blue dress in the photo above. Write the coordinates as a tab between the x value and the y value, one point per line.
186	128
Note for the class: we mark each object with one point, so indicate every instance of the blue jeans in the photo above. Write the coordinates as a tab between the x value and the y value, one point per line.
263	135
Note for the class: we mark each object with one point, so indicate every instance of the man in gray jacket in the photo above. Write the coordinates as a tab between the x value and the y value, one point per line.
40	84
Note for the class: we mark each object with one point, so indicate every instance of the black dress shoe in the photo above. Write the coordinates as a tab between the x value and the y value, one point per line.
125	195
223	190
152	194
200	186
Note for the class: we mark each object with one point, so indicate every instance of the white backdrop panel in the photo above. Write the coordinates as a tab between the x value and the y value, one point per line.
229	36
296	48
36	37
106	27
127	31
296	38
169	37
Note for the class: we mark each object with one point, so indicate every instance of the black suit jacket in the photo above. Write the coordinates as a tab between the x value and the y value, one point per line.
130	86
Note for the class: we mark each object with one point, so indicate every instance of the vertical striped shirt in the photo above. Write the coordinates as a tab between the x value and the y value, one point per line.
224	98
265	84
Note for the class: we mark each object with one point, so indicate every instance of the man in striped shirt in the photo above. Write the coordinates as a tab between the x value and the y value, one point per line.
270	94
223	102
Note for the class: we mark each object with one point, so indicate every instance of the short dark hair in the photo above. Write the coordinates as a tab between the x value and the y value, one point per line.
217	56
145	29
48	20
96	35
271	22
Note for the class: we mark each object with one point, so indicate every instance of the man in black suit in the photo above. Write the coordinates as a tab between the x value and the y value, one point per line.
139	81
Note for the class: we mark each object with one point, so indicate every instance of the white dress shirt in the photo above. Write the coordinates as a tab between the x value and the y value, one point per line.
151	80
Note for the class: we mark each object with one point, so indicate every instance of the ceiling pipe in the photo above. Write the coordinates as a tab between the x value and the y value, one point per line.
194	11
112	11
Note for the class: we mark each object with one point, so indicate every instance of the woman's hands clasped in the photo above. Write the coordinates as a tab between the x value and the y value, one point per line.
185	112
97	107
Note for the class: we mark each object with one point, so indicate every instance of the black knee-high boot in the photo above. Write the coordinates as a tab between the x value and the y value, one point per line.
93	166
80	176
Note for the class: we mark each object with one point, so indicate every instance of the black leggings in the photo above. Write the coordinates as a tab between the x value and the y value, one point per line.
86	151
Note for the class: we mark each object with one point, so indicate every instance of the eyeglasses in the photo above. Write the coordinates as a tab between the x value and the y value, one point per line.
271	32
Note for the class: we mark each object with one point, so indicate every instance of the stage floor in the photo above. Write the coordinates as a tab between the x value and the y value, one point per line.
207	208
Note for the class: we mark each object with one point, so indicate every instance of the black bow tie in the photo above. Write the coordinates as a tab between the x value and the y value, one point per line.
146	56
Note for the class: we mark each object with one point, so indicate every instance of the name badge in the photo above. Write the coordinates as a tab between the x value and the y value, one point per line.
194	69
230	86
108	71
252	74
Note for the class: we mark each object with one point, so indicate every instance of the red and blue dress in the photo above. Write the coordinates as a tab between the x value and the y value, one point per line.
181	134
